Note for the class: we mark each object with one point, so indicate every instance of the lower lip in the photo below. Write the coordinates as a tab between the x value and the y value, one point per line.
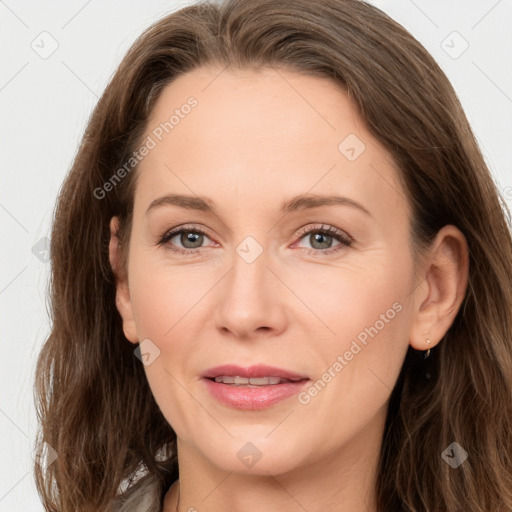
260	397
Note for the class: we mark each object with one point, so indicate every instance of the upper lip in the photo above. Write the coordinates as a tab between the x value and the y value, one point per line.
259	370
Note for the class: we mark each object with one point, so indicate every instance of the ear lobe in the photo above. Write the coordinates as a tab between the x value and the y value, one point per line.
439	297
123	301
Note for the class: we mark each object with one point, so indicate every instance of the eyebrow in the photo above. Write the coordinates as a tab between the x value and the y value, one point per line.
297	203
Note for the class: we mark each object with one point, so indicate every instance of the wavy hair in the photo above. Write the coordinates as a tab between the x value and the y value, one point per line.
93	401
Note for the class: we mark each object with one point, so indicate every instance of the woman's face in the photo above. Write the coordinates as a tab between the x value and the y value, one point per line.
253	281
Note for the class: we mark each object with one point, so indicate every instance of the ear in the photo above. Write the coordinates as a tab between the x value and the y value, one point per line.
123	301
439	296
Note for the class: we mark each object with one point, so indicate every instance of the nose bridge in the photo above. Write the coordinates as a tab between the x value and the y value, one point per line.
249	276
248	299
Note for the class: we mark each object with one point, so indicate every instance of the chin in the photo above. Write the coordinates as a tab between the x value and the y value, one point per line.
255	453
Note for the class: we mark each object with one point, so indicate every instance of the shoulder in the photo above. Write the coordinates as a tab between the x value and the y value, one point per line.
143	496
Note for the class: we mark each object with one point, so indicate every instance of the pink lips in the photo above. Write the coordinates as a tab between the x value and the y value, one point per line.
258	397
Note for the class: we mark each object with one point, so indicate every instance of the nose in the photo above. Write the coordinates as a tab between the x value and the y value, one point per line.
251	299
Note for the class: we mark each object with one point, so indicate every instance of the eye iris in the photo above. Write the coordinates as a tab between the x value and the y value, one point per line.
189	236
321	235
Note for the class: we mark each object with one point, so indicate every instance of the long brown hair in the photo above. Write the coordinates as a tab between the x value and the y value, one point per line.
93	400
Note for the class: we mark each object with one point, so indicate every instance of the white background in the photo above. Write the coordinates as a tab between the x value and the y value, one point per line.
45	104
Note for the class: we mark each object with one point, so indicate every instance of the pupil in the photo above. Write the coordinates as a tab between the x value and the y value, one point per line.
320	235
191	238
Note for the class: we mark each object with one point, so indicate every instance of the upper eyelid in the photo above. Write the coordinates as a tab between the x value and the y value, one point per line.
322	227
186	227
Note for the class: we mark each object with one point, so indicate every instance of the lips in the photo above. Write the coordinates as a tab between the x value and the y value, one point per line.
255	387
258	371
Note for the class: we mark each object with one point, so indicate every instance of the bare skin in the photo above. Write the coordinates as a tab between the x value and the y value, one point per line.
255	140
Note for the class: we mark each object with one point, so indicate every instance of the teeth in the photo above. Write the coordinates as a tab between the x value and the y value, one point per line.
265	381
253	381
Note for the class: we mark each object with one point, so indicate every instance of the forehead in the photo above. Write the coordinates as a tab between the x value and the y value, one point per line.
254	134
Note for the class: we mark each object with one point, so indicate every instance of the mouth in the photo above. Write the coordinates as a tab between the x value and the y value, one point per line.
251	382
252	373
255	387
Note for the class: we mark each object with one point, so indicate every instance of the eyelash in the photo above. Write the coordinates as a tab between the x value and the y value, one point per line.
345	240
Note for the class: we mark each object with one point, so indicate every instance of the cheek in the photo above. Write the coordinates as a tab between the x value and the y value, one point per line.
362	317
169	309
357	366
152	304
344	302
163	311
161	295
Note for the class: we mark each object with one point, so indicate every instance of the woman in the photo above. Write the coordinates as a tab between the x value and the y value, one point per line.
201	356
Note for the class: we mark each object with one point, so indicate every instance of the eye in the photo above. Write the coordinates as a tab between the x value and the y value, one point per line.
190	237
321	238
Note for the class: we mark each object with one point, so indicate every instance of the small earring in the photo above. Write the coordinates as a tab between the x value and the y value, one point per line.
427	354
